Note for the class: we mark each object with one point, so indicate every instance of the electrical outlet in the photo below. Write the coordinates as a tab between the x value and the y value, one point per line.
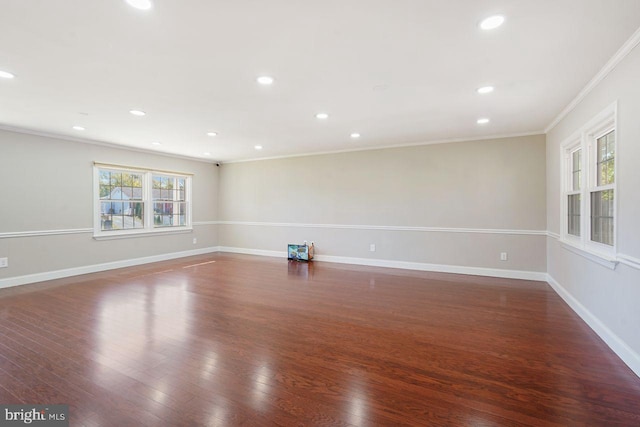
372	247
4	262
195	240
503	256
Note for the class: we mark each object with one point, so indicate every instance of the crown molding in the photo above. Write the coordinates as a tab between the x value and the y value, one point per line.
622	53
101	143
386	147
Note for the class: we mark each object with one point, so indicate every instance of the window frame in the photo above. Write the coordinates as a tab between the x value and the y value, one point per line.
586	140
149	228
594	187
174	201
571	146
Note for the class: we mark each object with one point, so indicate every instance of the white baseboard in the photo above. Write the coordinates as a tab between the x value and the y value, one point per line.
260	252
456	269
440	268
76	271
619	347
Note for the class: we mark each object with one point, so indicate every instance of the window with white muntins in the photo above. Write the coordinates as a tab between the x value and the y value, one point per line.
130	201
589	186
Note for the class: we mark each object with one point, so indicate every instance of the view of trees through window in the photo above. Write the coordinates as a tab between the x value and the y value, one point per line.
131	200
574	197
602	200
121	200
169	201
589	185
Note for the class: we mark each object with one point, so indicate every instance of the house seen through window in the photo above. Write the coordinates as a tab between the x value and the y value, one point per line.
136	201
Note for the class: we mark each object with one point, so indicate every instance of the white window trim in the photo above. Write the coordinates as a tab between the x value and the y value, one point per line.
568	148
149	228
585	138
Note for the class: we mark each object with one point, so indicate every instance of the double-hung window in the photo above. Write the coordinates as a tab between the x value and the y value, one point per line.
602	190
137	201
589	186
574	193
169	200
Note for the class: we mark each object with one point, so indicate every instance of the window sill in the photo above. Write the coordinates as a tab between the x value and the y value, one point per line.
141	233
604	260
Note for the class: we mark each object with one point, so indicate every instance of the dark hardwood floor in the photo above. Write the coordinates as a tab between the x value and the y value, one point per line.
235	340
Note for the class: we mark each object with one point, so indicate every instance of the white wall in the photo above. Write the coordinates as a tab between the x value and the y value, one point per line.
47	185
399	199
608	299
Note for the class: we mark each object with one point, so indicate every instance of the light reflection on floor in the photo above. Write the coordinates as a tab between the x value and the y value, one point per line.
217	418
127	326
261	385
209	365
357	403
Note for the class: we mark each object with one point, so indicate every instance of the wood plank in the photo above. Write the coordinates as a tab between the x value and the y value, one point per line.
259	341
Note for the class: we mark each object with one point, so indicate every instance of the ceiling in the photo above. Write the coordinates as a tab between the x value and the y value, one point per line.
396	71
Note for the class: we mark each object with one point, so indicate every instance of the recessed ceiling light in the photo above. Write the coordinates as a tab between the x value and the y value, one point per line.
265	80
258	147
483	121
137	113
322	116
212	134
78	128
492	22
207	153
6	75
355	135
156	143
140	4
485	89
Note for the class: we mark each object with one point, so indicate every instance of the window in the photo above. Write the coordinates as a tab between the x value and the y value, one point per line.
588	210
169	202
133	201
573	196
602	194
121	204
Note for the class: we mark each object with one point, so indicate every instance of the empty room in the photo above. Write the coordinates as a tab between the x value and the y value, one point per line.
337	213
